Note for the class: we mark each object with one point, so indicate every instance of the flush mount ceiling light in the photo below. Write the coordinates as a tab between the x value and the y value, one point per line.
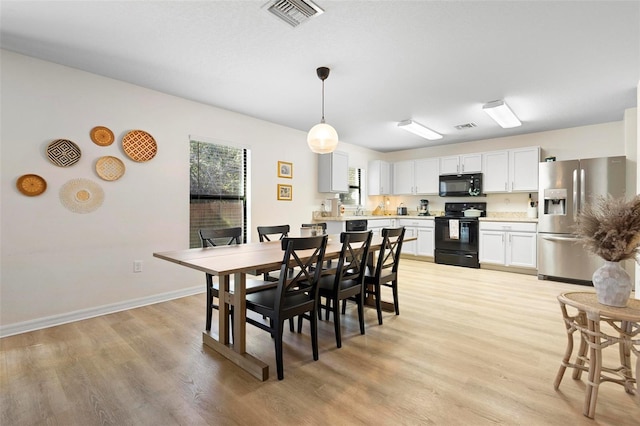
419	129
502	114
322	138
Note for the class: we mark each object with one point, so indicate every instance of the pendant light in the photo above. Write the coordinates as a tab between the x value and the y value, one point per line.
322	138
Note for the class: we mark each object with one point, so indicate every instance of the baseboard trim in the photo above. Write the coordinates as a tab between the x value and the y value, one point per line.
54	320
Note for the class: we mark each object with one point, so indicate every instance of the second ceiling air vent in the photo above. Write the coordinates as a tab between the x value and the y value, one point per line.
295	12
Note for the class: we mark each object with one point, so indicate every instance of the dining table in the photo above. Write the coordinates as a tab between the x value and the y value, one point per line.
238	261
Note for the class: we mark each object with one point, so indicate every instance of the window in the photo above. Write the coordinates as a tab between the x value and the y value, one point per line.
354	196
218	193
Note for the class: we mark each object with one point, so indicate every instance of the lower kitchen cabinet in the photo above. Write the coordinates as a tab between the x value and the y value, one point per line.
424	231
376	225
508	244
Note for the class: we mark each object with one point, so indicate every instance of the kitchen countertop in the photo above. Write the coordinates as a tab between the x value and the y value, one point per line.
493	217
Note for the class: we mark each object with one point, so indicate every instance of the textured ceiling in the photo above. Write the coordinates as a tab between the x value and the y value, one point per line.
558	64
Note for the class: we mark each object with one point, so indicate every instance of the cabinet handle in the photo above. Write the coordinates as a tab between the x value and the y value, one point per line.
506	186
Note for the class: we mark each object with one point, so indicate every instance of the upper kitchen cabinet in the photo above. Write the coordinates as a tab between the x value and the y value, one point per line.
511	170
415	177
379	178
466	163
333	172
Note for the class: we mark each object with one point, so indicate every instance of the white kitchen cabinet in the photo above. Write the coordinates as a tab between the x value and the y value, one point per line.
424	231
513	170
379	178
403	177
333	172
376	225
508	244
523	168
415	177
466	163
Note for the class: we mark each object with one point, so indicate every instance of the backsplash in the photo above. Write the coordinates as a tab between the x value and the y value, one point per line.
505	204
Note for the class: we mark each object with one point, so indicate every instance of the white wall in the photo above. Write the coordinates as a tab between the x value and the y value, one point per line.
58	266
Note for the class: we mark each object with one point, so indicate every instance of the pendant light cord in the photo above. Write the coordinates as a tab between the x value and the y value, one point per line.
322	121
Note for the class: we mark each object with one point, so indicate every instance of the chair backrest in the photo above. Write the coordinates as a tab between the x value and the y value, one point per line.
352	263
323	225
303	256
266	233
220	237
389	254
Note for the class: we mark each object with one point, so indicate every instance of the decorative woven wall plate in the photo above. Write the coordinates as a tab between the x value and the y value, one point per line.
81	195
63	153
110	168
101	136
139	145
31	185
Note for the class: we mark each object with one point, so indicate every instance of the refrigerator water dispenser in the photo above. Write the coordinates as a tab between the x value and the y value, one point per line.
555	201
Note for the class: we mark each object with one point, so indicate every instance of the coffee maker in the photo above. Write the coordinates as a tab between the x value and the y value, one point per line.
423	208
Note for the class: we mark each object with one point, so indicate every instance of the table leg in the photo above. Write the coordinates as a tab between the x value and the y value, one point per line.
223	307
235	353
595	368
240	313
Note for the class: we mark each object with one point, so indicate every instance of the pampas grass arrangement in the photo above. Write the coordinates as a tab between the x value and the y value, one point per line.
610	227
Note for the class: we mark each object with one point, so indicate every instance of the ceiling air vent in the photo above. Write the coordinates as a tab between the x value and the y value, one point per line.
295	12
466	126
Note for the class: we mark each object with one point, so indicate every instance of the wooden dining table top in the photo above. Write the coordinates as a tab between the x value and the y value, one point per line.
252	258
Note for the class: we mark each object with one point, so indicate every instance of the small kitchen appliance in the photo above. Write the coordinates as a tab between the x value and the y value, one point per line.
423	208
402	210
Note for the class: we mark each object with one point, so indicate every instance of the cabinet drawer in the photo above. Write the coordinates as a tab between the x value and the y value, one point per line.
379	223
509	226
416	223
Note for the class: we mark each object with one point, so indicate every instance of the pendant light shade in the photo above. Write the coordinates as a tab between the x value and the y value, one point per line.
322	138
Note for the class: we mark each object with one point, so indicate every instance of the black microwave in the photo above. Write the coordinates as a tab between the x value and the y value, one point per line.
463	185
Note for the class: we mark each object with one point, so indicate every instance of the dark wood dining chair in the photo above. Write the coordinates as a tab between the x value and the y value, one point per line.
220	237
217	237
272	233
348	280
385	272
295	295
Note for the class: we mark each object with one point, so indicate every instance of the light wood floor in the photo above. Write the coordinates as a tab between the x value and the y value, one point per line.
471	347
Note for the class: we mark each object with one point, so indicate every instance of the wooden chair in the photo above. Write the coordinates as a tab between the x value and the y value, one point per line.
220	237
294	295
228	236
386	269
348	280
271	233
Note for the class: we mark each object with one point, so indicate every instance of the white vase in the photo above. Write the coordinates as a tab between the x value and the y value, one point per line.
612	284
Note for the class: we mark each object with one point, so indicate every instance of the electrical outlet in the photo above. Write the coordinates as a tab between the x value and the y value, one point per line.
137	266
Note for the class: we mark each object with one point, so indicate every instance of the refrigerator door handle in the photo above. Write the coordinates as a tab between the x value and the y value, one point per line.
575	194
582	190
550	238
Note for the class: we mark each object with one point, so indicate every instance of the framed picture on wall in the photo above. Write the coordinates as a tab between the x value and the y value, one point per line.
285	170
285	192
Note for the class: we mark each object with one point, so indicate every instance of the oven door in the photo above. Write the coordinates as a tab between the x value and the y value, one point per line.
457	234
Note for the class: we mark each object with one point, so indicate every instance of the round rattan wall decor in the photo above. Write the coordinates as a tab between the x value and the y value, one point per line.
63	153
31	185
102	136
81	195
139	145
110	168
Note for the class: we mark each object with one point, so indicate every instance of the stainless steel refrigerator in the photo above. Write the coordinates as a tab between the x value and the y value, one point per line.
565	187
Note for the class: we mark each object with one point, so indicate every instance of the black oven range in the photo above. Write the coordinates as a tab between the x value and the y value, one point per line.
457	236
